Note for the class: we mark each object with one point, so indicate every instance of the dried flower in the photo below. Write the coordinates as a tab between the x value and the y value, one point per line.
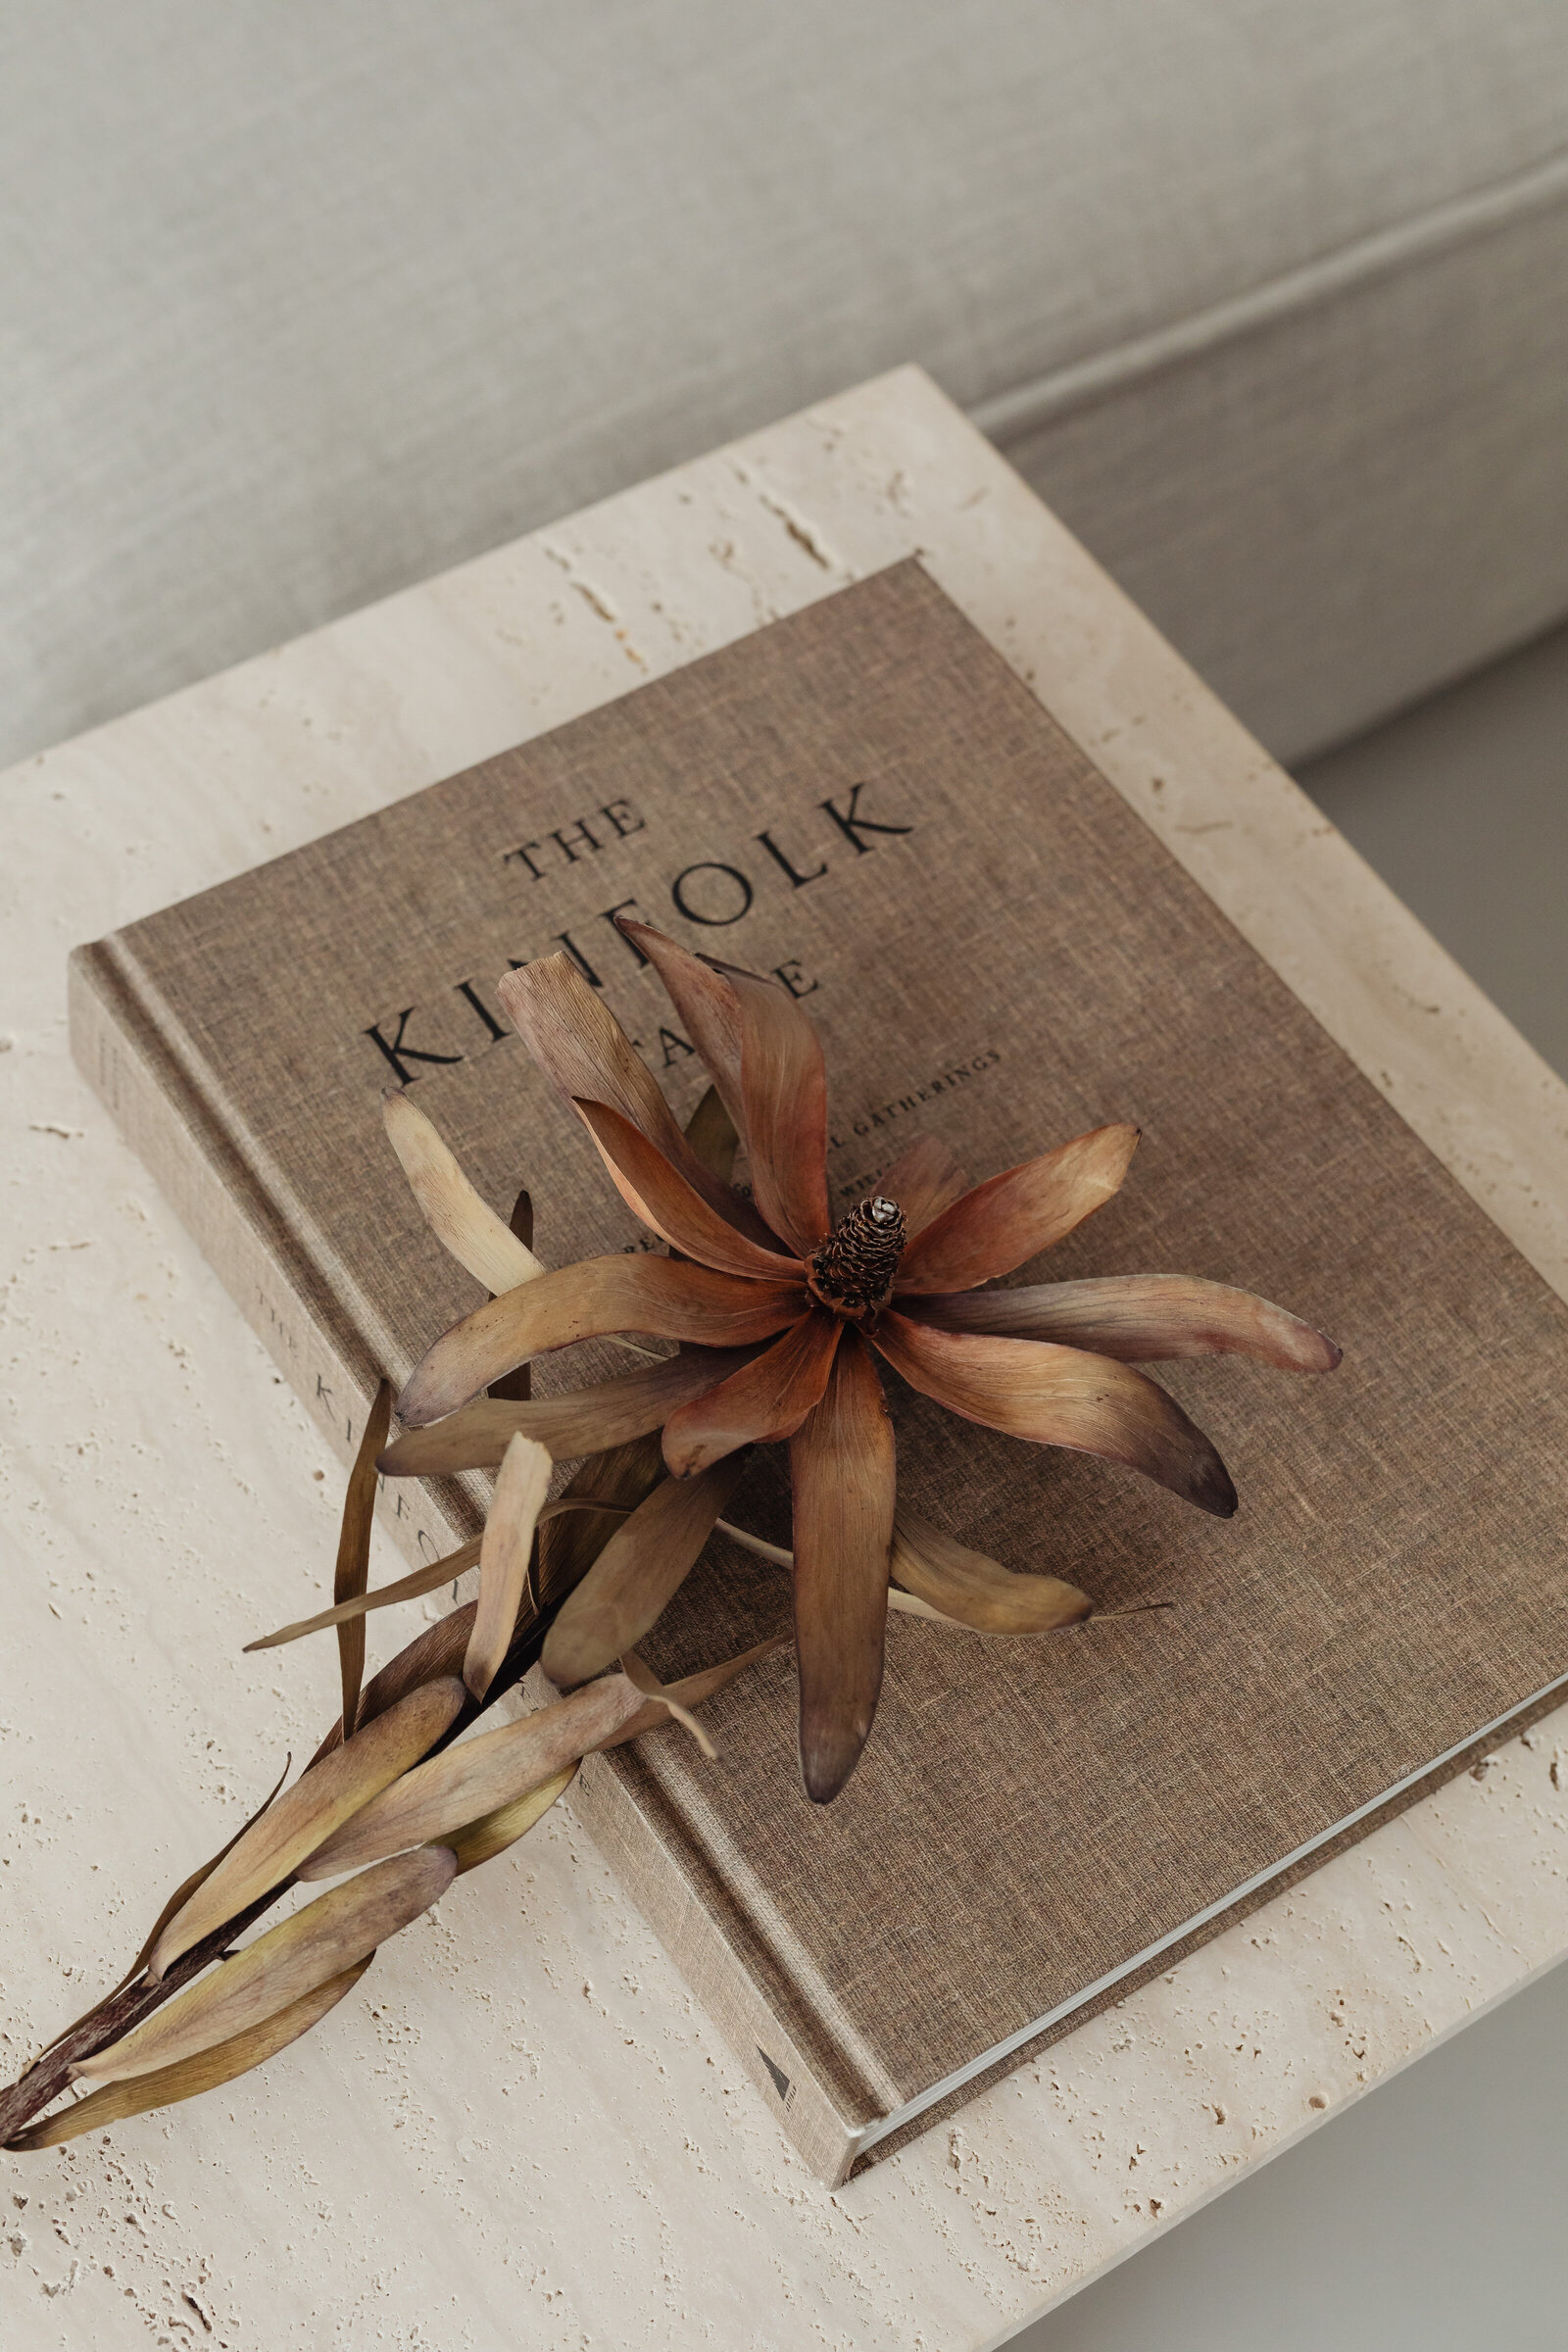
780	1314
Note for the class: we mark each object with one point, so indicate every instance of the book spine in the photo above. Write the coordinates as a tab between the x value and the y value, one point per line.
160	1113
660	1882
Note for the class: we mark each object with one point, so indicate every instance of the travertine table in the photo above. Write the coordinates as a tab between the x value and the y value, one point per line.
523	2133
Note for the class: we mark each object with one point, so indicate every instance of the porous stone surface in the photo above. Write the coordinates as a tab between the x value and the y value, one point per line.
519	2131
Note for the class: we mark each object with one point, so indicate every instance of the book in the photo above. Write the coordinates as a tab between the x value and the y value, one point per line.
863	801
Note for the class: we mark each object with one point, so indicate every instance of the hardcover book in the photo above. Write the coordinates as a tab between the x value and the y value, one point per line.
864	801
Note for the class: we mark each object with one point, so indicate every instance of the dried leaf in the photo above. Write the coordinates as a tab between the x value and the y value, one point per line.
841	1475
974	1591
207	2070
765	1402
636	1575
637	1669
617	1479
181	1896
583	1302
476	1775
292	1959
491	1834
419	1581
707	1005
1139	1319
460	1220
908	1604
354	1550
584	1051
587	1420
1061	1396
322	1798
924	1182
784	1106
504	1556
692	1689
1018	1214
666	1203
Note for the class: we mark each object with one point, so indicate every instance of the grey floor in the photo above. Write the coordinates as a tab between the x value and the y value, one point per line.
1433	2217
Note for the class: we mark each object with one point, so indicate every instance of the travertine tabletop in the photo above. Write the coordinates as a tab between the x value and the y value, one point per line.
522	2132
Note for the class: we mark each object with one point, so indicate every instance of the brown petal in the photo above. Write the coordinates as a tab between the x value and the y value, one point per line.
584	1051
709	1008
1138	1318
586	1420
842	1476
691	1691
459	1220
766	1400
354	1550
477	1776
322	1798
924	1182
584	1301
1018	1214
504	1556
974	1591
637	1573
138	2094
1061	1396
302	1951
784	1100
491	1834
664	1199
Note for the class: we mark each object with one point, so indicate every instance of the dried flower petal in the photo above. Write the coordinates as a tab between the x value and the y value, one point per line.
491	1834
974	1591
842	1473
584	1301
463	1223
1139	1319
504	1555
584	1051
1016	1215
1061	1396
784	1100
138	2094
635	1577
665	1203
708	1005
354	1550
587	1420
924	1182
766	1400
292	1959
477	1776
324	1797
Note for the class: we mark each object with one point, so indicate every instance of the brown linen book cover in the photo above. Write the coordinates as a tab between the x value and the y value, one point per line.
863	800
